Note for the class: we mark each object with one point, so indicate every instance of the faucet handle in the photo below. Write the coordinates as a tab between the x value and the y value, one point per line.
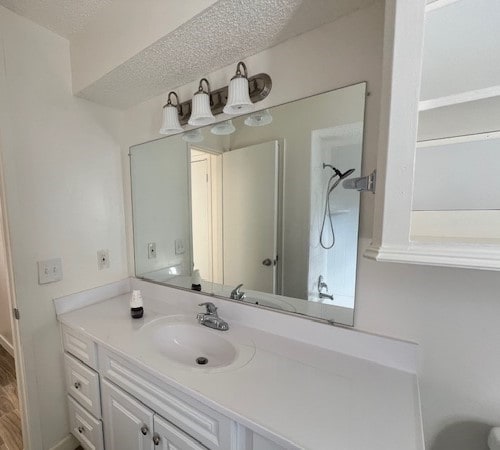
211	308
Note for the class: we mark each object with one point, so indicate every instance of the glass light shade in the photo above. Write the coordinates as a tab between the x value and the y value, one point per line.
223	128
201	113
192	136
259	119
171	123
238	99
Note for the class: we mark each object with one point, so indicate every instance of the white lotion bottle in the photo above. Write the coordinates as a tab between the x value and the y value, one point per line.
136	305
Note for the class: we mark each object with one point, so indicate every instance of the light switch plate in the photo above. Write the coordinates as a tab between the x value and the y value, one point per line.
50	271
179	247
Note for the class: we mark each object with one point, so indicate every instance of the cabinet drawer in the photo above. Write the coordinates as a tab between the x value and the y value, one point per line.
80	346
82	384
204	424
87	429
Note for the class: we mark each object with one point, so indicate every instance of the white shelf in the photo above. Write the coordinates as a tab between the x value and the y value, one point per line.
465	255
456	226
436	4
461	61
462	97
473	117
459	173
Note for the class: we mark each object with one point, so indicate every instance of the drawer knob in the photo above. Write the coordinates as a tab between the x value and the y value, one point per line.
156	439
81	430
77	385
144	430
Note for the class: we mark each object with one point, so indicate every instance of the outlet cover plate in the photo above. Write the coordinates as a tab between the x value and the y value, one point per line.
152	250
103	259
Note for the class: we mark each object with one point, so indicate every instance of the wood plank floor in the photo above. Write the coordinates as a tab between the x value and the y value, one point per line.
10	420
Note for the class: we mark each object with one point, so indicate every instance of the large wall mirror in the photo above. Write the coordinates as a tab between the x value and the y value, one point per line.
257	202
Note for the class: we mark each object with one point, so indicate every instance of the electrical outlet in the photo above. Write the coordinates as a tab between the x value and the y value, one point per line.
103	259
152	250
179	247
50	271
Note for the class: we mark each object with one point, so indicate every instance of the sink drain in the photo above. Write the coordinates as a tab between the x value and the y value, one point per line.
201	360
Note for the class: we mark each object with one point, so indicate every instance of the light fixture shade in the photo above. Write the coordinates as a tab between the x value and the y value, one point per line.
223	128
192	136
259	119
201	113
238	99
170	123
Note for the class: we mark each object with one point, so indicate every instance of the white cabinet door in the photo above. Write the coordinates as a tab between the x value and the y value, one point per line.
128	425
169	437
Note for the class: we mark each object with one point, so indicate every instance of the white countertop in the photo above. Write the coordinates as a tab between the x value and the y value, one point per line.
313	397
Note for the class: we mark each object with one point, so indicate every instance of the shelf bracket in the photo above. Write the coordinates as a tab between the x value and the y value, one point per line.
362	184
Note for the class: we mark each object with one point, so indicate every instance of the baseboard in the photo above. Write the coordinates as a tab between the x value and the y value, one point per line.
7	345
68	443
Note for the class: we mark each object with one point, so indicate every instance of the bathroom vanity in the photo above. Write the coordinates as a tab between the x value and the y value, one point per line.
272	381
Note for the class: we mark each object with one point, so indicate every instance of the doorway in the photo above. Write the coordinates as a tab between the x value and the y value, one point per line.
13	417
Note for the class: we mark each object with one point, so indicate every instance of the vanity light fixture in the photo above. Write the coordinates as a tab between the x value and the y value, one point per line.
201	113
238	99
223	128
259	119
193	136
171	123
200	110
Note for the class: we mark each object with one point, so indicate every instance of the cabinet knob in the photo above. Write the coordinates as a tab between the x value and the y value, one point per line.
144	430
81	430
156	439
77	385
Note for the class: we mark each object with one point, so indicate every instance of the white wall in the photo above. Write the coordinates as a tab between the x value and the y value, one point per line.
452	313
62	166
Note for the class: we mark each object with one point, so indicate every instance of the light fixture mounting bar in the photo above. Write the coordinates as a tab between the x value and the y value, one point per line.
259	85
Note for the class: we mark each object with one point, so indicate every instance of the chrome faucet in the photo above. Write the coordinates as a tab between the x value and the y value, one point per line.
211	319
236	294
322	285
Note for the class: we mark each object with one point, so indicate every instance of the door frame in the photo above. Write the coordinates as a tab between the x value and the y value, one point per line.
27	431
196	159
215	175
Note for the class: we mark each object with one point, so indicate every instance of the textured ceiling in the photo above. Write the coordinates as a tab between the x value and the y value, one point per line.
63	17
222	34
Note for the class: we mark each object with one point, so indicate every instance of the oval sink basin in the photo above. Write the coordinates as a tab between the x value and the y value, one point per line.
183	340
